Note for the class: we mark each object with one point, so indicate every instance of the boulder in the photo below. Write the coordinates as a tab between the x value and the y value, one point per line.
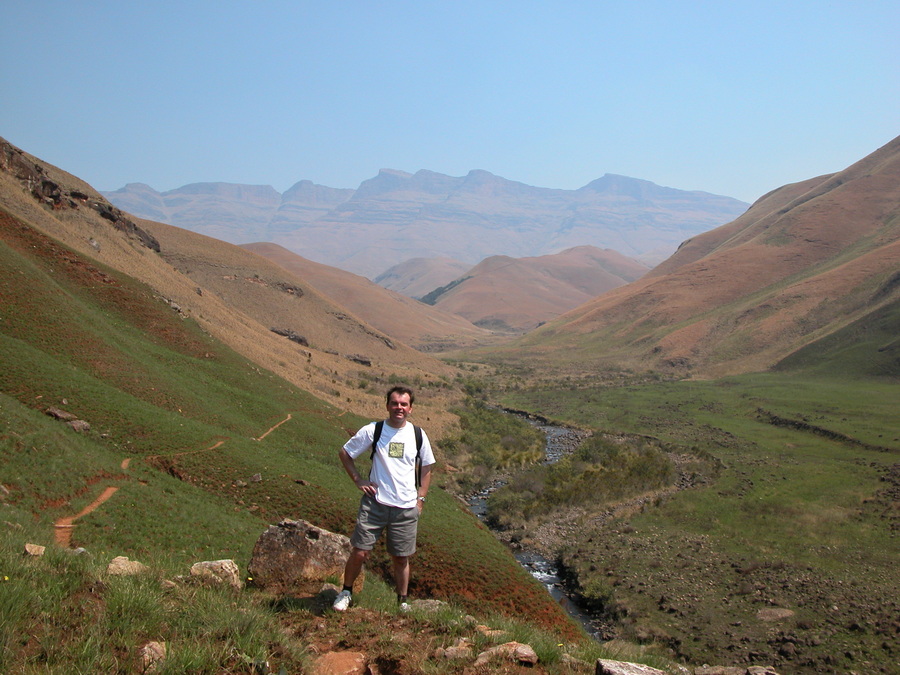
60	414
218	572
293	554
511	651
120	565
608	667
35	550
151	656
461	649
340	663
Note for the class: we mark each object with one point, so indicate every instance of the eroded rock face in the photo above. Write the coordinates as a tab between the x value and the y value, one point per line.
289	556
34	178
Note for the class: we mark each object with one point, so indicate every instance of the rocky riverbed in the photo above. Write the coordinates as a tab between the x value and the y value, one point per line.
539	560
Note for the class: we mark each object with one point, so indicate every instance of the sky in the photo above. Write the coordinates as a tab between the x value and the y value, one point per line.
730	97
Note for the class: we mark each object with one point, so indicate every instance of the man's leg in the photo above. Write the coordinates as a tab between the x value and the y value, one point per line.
351	571
354	566
401	574
401	545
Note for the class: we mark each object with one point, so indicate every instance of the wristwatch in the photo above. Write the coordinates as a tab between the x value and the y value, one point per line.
421	499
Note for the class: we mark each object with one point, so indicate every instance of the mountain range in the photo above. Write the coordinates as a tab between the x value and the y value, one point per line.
518	294
396	216
806	262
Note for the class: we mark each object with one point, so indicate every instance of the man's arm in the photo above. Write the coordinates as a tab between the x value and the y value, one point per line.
349	465
424	485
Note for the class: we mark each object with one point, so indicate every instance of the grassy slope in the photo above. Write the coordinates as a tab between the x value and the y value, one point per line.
185	410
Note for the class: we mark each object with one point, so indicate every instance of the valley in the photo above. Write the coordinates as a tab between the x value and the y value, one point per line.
735	502
780	552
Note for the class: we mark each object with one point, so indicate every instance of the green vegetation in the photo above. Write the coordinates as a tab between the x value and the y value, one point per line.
432	297
694	507
62	612
802	516
489	441
198	451
602	471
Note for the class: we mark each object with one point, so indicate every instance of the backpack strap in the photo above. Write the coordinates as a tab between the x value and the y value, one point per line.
417	430
378	427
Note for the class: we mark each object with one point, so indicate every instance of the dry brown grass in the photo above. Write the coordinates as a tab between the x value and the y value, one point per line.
237	296
404	319
804	261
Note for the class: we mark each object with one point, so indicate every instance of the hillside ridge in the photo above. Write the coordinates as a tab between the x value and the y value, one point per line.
803	262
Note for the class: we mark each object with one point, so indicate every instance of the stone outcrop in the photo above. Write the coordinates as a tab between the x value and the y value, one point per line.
293	554
510	651
291	335
218	572
122	566
36	180
70	419
609	667
152	656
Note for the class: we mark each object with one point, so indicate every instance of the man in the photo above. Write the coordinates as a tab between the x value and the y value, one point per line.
393	496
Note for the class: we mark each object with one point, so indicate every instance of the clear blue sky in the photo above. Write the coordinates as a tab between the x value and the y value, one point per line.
734	98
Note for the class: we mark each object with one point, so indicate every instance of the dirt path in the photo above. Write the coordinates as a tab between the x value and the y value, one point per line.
64	526
275	427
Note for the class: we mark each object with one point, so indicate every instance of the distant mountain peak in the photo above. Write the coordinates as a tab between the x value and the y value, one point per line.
397	215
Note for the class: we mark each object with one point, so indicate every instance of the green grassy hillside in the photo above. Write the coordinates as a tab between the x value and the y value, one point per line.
867	347
800	521
179	424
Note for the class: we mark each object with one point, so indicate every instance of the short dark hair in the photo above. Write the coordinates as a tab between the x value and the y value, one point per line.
400	389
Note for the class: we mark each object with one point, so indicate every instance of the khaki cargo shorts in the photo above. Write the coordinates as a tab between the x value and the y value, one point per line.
374	518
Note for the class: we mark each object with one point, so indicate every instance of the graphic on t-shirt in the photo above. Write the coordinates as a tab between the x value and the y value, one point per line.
395	449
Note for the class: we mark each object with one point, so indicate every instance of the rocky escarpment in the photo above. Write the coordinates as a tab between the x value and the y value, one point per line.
35	179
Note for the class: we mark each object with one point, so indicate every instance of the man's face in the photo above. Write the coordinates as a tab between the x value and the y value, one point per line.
398	407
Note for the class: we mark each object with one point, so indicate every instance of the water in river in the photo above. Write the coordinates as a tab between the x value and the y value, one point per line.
560	441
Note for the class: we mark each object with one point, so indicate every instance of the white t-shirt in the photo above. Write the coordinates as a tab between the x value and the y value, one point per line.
394	464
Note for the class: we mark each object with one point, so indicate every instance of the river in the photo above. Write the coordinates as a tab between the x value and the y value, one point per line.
560	442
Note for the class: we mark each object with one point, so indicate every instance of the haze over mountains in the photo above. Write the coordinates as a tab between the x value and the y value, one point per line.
397	216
